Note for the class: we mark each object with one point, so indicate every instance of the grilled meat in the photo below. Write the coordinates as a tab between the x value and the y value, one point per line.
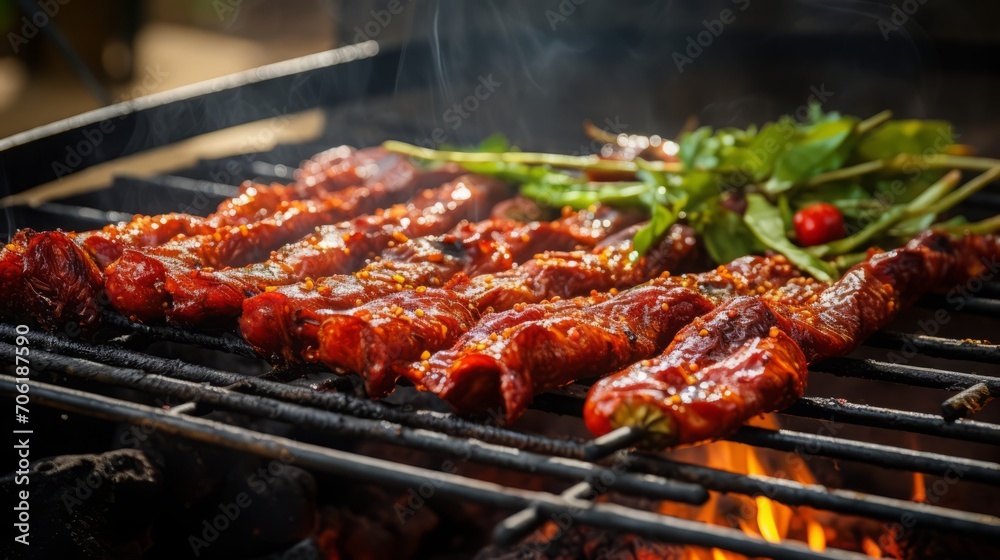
749	356
283	323
559	275
214	298
510	357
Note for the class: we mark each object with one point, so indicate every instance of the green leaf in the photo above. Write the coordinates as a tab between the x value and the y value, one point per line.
905	137
765	149
658	224
726	237
698	149
764	220
818	148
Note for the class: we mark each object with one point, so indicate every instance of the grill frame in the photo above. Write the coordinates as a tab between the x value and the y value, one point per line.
341	413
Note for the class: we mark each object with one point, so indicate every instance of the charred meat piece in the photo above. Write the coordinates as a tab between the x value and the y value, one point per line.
565	275
283	324
749	356
214	298
508	359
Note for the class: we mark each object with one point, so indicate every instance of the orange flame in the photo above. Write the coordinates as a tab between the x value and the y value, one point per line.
871	548
919	488
759	516
816	536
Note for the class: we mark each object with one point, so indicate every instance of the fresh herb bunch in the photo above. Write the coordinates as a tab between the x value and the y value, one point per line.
740	189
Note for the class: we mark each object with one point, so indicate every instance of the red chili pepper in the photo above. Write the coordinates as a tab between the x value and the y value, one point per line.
819	223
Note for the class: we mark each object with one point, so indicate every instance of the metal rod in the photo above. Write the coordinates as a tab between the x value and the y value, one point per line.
100	93
974	305
611	516
935	347
908	375
329	422
225	343
526	521
839	410
324	400
819	497
870	453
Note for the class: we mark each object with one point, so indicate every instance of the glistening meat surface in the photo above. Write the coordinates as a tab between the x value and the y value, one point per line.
137	282
565	275
510	357
215	297
283	324
750	355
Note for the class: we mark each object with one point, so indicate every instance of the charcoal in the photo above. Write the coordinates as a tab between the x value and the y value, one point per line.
88	506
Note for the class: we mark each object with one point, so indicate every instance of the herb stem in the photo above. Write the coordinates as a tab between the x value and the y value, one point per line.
963	192
985	227
873	122
916	162
891	217
529	158
846	172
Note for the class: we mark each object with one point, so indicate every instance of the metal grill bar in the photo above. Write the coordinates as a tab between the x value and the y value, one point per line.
935	347
975	305
870	453
906	375
336	402
395	433
666	528
838	410
328	422
819	497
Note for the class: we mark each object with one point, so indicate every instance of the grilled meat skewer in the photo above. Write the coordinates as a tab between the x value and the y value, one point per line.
369	340
750	355
153	287
510	357
282	324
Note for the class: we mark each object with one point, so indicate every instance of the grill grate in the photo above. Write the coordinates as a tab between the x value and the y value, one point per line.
124	362
582	463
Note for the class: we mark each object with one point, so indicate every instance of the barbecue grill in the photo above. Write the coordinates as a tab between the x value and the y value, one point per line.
124	377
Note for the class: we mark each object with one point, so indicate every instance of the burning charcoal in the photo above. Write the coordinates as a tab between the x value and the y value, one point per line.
90	506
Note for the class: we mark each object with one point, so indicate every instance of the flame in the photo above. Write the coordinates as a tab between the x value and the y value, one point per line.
871	548
919	488
816	536
757	516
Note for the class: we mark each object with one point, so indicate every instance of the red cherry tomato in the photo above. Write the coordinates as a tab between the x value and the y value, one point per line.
818	223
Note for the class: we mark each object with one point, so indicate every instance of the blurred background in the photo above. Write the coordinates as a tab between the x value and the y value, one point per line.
137	47
649	64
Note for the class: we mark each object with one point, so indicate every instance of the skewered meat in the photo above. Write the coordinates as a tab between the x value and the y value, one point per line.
283	324
207	297
48	303
510	357
750	355
559	275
